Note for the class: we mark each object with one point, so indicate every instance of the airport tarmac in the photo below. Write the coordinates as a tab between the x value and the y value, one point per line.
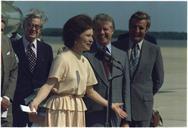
171	101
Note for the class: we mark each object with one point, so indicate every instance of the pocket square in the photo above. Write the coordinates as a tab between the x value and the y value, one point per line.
8	53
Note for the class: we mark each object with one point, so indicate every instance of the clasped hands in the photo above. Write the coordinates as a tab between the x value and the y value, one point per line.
4	104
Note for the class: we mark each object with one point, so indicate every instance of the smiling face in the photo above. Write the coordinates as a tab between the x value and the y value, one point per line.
137	30
84	42
32	29
103	32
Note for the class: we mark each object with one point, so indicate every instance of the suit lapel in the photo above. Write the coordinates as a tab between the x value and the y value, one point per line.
5	51
40	57
99	68
142	58
114	55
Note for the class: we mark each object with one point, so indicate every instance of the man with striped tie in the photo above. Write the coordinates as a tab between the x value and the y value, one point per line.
146	68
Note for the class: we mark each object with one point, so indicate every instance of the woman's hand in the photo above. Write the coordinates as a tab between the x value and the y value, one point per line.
54	91
116	107
33	115
34	106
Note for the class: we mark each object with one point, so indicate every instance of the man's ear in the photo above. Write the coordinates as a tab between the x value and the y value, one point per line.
113	32
147	30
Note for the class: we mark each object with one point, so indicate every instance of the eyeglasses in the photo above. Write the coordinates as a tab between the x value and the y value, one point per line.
30	25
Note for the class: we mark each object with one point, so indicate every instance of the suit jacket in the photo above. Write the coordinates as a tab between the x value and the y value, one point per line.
120	85
9	68
147	80
28	81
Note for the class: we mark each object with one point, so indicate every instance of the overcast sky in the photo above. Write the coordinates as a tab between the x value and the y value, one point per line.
165	16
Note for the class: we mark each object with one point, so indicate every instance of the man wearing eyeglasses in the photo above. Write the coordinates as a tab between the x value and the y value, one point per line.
35	58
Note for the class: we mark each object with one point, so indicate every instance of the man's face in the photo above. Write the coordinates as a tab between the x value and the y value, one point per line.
32	29
103	33
137	30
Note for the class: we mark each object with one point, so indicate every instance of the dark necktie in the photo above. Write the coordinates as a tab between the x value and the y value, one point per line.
31	57
134	59
106	64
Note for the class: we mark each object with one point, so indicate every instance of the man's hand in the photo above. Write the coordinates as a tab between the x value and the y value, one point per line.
116	107
4	104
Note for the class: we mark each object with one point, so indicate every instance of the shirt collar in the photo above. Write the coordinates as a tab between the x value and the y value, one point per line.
109	46
26	42
139	44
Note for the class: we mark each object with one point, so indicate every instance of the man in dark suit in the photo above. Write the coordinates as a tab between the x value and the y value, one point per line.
35	58
146	69
9	71
103	68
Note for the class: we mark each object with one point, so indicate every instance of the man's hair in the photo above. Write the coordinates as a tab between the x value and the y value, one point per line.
35	13
74	27
102	17
140	15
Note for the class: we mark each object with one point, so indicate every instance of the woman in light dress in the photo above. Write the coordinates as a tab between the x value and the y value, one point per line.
70	78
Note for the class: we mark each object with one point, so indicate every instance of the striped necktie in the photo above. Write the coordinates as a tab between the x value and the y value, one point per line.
134	59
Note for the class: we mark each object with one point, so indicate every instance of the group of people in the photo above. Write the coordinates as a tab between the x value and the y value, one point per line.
89	81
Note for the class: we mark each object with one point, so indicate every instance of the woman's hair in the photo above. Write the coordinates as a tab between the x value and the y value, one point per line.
74	27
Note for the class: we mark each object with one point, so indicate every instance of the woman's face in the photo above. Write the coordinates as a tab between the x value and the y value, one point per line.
84	42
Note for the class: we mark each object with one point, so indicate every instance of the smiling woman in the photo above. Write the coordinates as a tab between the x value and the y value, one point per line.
71	77
84	41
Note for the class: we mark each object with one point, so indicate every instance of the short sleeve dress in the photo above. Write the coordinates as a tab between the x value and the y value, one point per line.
74	74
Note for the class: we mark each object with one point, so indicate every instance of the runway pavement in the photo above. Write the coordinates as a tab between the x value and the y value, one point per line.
171	101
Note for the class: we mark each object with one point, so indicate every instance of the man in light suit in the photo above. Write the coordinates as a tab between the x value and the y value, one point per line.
148	74
9	71
32	70
96	114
